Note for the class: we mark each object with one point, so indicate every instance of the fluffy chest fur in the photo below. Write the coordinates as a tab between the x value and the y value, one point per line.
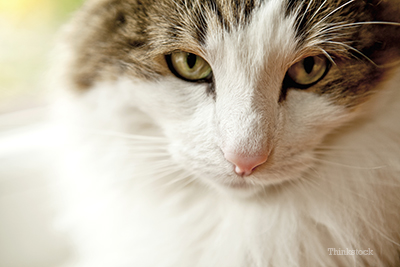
148	176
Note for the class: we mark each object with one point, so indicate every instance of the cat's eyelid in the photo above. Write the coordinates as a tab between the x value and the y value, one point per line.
187	51
178	50
305	55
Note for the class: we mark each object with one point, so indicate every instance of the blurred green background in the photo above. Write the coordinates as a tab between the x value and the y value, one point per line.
27	34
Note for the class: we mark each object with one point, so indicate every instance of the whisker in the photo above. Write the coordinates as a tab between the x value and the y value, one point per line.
166	172
154	170
343	154
348	166
357	24
328	56
373	182
148	156
355	50
131	136
150	177
142	149
136	153
182	176
316	12
332	12
162	164
305	12
144	143
189	180
179	179
140	146
156	176
329	147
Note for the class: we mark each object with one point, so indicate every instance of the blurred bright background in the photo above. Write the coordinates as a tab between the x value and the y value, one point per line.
27	34
28	236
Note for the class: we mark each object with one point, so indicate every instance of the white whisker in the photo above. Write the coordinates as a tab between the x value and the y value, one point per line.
357	24
144	143
305	12
183	176
156	175
158	151
348	166
355	50
131	136
332	12
316	12
142	149
150	155
328	56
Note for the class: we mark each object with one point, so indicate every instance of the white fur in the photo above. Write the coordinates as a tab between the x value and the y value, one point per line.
173	200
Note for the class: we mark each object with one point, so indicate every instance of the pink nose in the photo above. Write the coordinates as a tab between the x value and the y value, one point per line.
244	165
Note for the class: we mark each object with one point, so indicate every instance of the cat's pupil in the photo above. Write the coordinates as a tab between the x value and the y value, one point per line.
309	63
191	60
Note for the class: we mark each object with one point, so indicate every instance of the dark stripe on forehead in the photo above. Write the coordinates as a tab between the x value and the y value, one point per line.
228	14
214	7
231	14
249	7
244	9
189	18
291	6
201	26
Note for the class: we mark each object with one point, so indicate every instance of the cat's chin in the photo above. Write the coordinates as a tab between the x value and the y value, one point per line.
239	185
240	188
244	187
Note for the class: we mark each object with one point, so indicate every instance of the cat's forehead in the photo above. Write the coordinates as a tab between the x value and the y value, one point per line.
188	21
179	20
114	38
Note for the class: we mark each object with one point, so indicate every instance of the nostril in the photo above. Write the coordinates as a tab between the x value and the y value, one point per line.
244	165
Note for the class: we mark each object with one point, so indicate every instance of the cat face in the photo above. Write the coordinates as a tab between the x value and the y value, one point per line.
245	91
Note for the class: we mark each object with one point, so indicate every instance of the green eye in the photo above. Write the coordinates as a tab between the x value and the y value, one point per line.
189	66
309	70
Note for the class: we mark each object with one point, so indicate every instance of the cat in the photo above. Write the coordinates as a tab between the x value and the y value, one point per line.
250	133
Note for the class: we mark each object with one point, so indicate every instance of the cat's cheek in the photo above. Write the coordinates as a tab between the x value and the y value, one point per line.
310	116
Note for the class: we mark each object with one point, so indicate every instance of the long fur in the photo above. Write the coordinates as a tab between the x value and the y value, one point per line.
144	182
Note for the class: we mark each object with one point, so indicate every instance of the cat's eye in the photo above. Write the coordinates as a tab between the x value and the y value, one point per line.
308	71
189	66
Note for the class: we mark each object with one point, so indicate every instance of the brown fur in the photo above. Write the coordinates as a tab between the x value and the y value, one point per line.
361	53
